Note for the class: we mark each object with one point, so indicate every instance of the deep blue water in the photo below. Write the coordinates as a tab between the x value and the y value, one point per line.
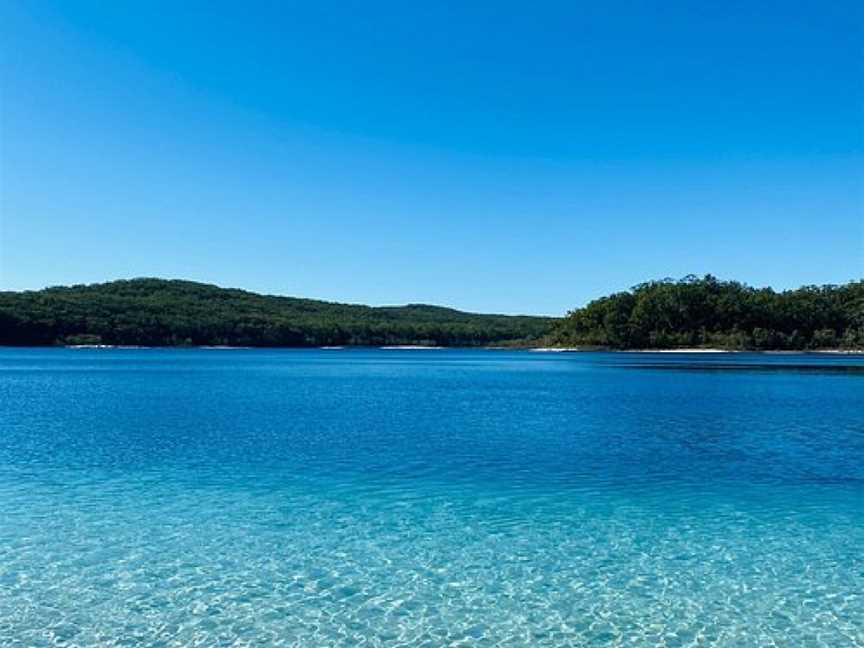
430	498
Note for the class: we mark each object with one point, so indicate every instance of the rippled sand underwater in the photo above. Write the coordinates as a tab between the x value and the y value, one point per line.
382	499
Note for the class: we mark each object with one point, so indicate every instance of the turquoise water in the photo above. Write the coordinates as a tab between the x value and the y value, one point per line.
430	498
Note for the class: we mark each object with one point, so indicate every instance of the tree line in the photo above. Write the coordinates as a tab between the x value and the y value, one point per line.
691	312
701	312
157	312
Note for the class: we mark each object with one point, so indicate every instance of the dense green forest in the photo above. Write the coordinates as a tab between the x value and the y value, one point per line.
156	312
707	312
691	312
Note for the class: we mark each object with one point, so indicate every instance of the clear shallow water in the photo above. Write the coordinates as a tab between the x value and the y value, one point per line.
430	498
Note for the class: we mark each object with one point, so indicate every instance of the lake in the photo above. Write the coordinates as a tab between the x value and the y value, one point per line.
430	498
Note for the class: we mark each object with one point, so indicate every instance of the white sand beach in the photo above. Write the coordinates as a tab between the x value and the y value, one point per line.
555	349
409	347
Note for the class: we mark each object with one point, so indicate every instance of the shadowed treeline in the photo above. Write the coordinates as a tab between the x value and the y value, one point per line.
157	312
726	314
692	312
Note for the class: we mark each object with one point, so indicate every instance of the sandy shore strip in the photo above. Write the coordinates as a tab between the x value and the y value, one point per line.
575	349
410	347
695	350
555	349
106	346
222	347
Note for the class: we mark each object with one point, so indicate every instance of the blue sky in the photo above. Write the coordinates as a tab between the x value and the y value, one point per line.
508	157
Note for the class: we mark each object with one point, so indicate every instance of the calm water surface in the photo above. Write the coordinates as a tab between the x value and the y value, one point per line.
430	498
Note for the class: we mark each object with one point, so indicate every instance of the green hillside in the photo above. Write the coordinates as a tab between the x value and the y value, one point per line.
727	314
162	312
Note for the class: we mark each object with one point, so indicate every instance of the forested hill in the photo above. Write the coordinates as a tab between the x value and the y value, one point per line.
727	314
691	312
157	312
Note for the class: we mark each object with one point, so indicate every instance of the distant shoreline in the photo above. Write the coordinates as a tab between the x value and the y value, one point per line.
696	315
415	347
421	347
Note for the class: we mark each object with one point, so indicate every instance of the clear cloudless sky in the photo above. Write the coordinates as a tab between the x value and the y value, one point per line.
492	156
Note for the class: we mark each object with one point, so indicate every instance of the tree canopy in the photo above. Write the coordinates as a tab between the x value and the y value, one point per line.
691	312
694	312
158	312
